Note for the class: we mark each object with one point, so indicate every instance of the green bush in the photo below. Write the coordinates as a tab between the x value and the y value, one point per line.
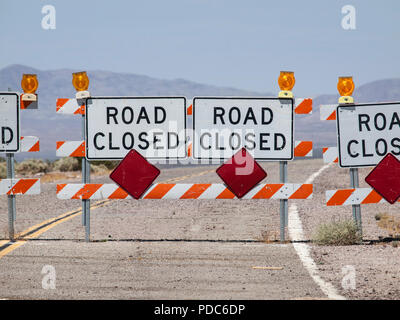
67	164
337	233
32	166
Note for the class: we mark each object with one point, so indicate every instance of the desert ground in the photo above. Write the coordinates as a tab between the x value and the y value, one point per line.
194	249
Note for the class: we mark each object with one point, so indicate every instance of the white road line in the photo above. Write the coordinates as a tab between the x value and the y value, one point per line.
303	250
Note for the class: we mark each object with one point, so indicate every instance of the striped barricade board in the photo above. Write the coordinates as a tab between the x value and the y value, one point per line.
185	191
19	186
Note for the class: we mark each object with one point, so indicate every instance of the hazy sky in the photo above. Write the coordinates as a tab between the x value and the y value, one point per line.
243	44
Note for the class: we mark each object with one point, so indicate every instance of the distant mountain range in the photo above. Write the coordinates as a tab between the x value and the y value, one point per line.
51	127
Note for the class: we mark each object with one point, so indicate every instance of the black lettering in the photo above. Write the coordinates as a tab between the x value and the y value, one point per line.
395	121
3	135
174	134
127	119
142	138
159	118
384	147
250	116
234	134
143	115
112	113
201	140
276	135
219	113
238	115
131	140
95	140
364	151
262	141
110	142
363	122
353	155
396	153
156	135
263	116
383	121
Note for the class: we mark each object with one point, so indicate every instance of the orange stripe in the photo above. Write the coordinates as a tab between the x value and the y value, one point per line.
118	194
336	160
303	192
159	191
22	186
35	147
332	116
304	107
195	191
59	144
268	191
373	197
226	194
80	151
60	187
339	197
61	102
190	150
190	110
324	150
87	191
303	148
80	110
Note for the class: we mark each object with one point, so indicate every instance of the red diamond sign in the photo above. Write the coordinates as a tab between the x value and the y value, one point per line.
241	173
385	178
134	174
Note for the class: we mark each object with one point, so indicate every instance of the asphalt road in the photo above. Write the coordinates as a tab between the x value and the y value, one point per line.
155	249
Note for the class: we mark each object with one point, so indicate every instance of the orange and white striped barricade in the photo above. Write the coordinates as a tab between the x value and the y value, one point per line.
75	148
19	186
184	191
330	154
29	144
354	196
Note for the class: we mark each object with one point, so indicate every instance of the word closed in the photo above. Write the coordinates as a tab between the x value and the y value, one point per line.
222	126
155	127
367	132
9	122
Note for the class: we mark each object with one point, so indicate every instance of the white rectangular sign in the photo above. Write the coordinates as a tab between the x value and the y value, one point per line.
222	126
153	126
367	132
9	122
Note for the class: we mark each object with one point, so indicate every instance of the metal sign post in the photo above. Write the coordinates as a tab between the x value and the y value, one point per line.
85	179
11	198
283	209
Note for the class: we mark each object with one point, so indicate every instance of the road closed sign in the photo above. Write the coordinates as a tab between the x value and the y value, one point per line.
222	126
9	122
153	126
367	132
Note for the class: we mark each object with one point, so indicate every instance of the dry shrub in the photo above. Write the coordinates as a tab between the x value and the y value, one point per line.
3	170
268	236
99	169
337	233
32	166
390	223
67	164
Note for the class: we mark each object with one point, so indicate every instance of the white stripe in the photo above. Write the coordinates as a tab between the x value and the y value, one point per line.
326	110
28	142
330	154
303	250
68	147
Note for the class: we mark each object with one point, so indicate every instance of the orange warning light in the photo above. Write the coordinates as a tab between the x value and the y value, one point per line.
345	86
80	81
286	80
29	83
